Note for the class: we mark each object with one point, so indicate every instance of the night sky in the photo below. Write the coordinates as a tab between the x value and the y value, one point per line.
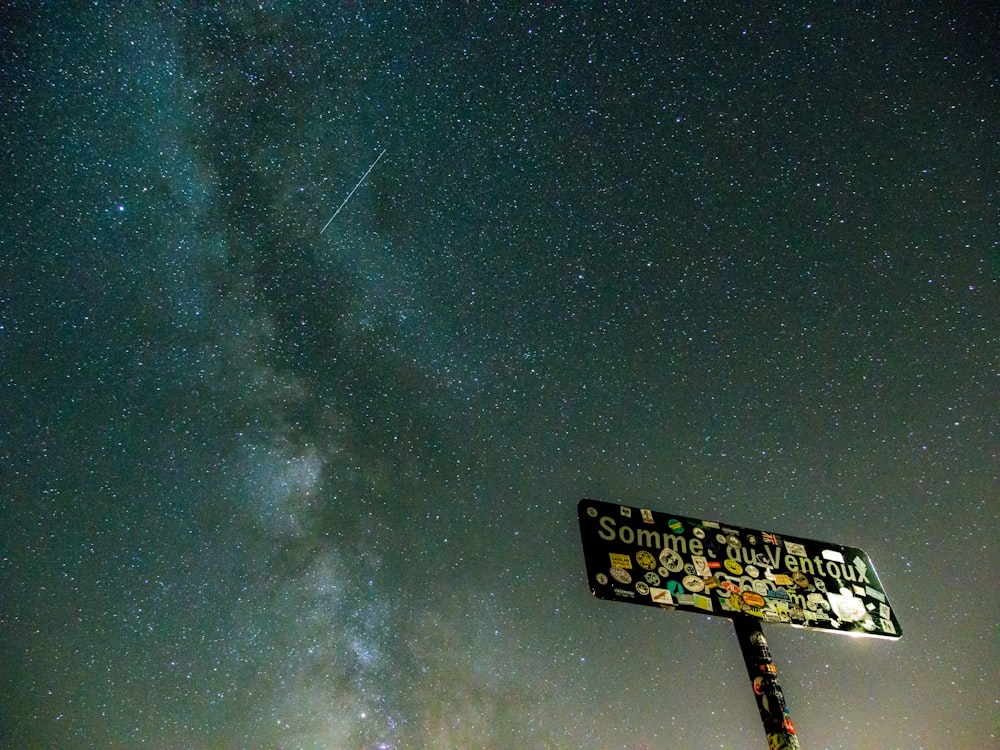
263	487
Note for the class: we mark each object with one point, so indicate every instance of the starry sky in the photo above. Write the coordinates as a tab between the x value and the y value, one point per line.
267	487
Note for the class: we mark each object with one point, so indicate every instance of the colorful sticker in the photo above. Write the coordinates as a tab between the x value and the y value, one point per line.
645	559
675	526
660	596
620	561
733	567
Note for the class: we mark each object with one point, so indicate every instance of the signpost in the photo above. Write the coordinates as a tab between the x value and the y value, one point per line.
641	556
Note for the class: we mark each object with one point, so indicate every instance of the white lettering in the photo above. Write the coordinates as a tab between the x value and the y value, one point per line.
607	532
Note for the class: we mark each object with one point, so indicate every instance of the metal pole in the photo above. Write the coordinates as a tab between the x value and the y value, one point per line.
763	676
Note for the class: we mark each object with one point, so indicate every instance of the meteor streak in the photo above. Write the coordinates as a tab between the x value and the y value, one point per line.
353	191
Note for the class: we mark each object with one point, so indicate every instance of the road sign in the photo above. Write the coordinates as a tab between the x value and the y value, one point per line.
642	556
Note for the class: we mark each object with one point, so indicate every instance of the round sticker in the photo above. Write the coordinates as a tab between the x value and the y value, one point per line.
621	575
675	526
751	570
602	579
693	583
733	541
801	580
642	588
652	579
592	512
698	532
733	567
663	571
645	559
671	560
720	538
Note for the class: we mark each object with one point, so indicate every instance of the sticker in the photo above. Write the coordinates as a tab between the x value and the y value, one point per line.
887	626
847	607
720	538
620	561
794	548
671	560
752	599
652	579
675	588
758	685
642	588
602	579
833	555
729	586
663	571
714	565
701	566
883	610
751	570
760	587
770	538
782	580
751	540
660	596
730	604
734	541
733	567
621	575
698	532
647	515
703	602
627	512
693	583
645	559
675	526
592	511
801	579
710	524
874	593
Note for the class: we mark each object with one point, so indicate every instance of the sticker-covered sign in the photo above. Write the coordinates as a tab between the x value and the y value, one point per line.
705	567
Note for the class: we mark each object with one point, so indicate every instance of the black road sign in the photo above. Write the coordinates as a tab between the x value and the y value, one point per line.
642	556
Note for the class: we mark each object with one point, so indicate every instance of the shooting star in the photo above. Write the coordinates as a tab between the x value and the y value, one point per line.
353	191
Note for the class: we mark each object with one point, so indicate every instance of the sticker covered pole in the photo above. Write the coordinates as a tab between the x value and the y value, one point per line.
764	678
